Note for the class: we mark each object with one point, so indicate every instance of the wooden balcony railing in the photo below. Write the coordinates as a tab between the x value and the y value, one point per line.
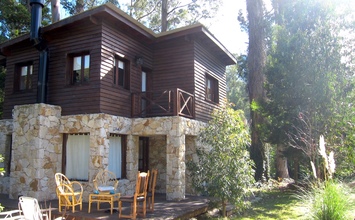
172	102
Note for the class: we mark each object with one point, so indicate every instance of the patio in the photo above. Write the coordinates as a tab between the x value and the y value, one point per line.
189	207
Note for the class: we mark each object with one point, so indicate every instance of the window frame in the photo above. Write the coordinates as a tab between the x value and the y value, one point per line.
18	76
125	83
82	74
213	91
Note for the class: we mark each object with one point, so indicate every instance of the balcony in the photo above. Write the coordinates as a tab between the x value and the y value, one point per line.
173	102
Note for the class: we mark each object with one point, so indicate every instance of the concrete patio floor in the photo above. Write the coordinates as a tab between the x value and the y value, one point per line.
189	207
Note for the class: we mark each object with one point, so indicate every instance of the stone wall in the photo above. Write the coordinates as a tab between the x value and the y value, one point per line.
157	160
35	151
38	139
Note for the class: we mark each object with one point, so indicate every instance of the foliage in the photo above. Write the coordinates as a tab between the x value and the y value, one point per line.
326	201
77	6
305	72
179	14
237	93
223	169
2	88
15	18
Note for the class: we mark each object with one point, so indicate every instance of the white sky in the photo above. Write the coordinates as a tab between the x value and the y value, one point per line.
225	26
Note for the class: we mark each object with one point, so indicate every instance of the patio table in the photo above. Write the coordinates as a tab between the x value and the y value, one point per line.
104	197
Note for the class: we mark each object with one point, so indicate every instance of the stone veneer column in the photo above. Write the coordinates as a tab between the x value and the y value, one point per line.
175	172
36	148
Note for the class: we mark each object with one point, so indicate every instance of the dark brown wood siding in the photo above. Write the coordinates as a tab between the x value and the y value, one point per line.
207	63
22	53
173	65
82	98
115	99
78	99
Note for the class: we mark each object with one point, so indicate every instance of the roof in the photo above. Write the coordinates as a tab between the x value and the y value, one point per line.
110	12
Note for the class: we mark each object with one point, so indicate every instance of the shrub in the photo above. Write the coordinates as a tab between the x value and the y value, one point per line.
326	201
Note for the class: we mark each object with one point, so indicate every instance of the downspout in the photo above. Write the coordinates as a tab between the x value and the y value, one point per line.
40	45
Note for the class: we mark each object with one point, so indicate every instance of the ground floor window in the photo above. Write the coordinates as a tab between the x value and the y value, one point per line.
76	151
117	155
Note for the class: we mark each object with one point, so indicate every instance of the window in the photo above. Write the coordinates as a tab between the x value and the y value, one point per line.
79	68
121	73
211	89
76	156
23	78
117	155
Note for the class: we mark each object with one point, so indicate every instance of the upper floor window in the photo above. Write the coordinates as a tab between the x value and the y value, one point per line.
211	88
121	73
79	68
23	78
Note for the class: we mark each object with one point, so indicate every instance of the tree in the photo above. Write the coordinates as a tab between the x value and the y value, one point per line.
256	80
14	19
237	93
164	15
78	6
305	73
223	169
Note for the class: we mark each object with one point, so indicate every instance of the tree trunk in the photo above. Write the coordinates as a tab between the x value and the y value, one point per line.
55	10
164	15
281	162
256	79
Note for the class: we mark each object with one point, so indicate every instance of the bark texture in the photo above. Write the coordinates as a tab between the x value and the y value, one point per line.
256	80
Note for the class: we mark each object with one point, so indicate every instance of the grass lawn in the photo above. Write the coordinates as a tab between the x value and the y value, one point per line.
275	205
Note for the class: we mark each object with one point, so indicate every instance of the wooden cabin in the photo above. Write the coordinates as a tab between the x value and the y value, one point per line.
103	64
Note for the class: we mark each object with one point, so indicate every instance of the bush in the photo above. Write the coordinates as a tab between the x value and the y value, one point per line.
326	201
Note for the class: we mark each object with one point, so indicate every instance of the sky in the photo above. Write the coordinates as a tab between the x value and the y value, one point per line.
225	26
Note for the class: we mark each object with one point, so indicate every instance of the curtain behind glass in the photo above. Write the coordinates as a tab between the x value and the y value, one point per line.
115	156
78	147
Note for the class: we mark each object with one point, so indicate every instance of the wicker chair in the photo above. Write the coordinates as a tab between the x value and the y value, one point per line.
105	181
140	196
151	188
105	189
70	193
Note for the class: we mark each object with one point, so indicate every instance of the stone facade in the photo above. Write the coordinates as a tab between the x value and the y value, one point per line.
37	139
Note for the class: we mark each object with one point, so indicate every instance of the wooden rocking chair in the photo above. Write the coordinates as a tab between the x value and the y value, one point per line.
70	193
140	196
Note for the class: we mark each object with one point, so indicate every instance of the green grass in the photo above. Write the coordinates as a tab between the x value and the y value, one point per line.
275	205
283	205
